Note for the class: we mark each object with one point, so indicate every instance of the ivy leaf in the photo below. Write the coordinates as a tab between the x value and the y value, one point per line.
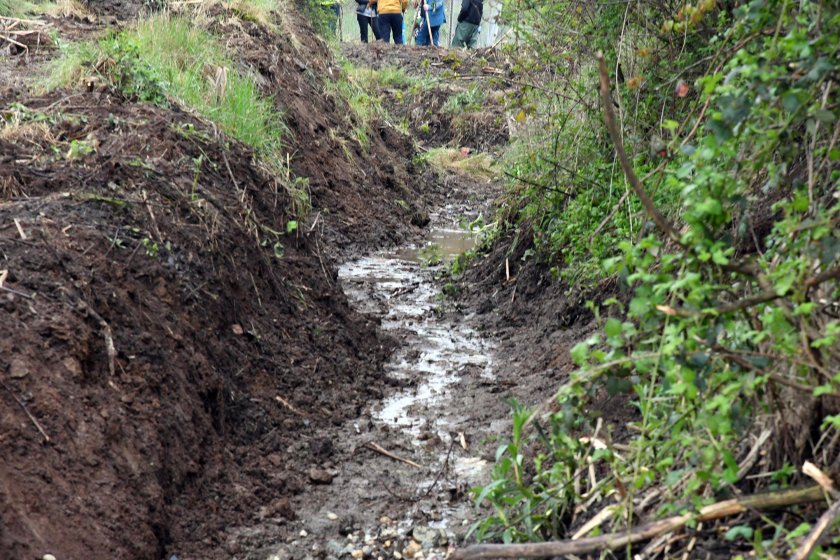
734	108
720	129
791	102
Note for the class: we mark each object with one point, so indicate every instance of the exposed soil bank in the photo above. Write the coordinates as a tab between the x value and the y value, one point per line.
164	349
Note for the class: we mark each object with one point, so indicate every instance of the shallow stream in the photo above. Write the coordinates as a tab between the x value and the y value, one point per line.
434	352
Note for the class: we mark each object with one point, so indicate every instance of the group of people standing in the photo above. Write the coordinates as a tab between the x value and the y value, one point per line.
385	18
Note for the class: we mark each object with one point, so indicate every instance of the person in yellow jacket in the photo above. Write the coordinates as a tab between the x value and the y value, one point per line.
391	18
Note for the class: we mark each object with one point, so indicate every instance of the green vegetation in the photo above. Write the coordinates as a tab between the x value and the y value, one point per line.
727	323
169	57
362	89
15	8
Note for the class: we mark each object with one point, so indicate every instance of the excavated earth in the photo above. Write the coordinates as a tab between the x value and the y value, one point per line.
178	380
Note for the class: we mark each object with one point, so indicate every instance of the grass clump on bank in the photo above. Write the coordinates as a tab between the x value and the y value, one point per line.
167	58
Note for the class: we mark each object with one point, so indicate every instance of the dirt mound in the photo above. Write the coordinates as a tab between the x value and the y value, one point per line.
122	9
420	61
346	171
165	341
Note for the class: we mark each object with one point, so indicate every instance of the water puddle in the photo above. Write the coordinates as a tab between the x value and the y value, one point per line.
443	244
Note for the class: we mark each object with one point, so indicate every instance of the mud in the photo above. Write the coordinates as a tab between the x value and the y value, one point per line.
176	370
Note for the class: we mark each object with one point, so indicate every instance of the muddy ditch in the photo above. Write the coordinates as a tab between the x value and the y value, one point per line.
181	382
437	424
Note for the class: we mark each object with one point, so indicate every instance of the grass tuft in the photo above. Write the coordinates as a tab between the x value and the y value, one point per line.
480	166
167	57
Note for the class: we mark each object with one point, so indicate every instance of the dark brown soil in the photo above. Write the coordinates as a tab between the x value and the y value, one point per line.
168	351
229	342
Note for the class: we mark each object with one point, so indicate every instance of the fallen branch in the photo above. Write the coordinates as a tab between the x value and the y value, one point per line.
826	519
813	539
613	541
612	127
374	447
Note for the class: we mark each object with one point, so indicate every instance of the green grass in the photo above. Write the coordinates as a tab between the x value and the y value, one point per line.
167	57
15	8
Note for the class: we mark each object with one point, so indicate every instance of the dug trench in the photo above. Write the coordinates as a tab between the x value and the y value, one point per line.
181	380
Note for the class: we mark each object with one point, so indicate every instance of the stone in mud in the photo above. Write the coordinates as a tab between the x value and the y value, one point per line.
429	537
335	549
18	369
320	476
412	549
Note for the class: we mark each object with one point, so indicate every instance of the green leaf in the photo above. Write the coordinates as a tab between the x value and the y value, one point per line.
580	353
612	327
742	531
791	102
824	115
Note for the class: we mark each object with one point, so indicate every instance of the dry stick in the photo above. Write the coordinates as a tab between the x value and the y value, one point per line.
823	523
390	455
609	118
110	349
26	410
646	532
826	519
16	292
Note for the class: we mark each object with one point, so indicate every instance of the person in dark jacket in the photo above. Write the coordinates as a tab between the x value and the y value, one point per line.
469	20
366	15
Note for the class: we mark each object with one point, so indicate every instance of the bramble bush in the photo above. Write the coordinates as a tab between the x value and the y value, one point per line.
728	325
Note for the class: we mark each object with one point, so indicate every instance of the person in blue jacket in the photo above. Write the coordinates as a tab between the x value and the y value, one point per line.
433	9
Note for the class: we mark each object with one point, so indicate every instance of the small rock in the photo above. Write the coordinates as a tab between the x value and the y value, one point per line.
331	516
357	554
47	557
303	533
397	555
72	365
387	544
411	549
429	537
320	476
18	370
237	329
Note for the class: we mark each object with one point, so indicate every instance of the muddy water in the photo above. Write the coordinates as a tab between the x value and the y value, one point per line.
441	417
434	353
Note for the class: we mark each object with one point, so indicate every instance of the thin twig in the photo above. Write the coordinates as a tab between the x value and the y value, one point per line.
813	539
374	447
609	118
26	410
442	470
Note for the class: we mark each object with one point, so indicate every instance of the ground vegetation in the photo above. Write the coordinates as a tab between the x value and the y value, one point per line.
696	171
